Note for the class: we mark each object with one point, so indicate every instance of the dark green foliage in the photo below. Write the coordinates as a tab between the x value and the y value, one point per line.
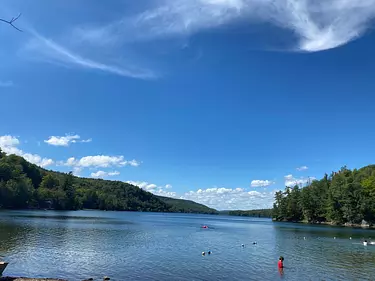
187	206
343	197
261	213
24	185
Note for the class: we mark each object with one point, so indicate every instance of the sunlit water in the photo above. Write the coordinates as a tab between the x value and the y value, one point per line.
149	246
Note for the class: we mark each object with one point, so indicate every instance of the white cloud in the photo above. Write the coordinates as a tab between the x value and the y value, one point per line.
314	26
9	145
218	198
77	171
103	174
133	163
291	181
261	183
62	141
86	141
8	141
52	52
155	189
302	168
231	199
318	25
6	84
162	192
100	161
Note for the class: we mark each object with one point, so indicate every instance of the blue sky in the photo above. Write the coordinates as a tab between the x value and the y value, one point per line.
219	101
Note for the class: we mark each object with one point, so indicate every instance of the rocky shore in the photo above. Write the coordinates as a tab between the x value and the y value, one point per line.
28	279
42	279
364	224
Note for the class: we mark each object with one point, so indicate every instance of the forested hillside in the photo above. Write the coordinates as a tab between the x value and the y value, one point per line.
344	197
187	206
261	213
24	185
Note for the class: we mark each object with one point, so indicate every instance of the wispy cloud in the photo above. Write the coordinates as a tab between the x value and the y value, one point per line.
318	25
302	168
100	161
103	174
118	46
53	52
6	84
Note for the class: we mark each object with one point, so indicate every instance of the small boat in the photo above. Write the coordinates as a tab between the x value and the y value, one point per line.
3	265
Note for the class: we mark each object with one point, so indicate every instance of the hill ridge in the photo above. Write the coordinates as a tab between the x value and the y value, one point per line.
24	185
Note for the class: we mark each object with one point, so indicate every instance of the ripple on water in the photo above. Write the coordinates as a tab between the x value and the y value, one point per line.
139	246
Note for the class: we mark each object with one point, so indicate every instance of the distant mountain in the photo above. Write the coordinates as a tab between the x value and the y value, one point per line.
186	206
24	185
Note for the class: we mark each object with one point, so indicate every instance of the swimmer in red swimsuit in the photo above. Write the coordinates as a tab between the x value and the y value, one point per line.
280	263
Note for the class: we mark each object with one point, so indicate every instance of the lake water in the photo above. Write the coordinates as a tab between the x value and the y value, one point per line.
150	246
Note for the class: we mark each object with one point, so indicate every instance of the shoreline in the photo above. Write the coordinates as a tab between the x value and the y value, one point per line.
123	211
8	278
327	223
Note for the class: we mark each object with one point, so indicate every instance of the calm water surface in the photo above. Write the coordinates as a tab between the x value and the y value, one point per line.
149	246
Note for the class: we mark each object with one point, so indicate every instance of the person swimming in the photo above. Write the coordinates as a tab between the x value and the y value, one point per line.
280	263
365	243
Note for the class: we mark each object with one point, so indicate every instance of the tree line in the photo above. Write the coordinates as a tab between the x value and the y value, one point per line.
24	185
261	213
343	197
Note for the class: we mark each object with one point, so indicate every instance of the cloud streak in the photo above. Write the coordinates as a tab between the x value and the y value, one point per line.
53	52
100	161
313	25
302	168
103	174
317	25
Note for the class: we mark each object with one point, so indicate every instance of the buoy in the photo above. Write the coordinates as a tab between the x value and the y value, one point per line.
203	253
